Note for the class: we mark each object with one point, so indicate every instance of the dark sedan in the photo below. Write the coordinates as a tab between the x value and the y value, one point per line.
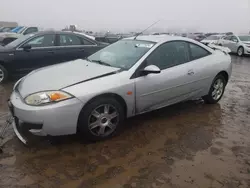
42	49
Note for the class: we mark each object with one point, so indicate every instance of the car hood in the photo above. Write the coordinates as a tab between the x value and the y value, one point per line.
56	77
9	34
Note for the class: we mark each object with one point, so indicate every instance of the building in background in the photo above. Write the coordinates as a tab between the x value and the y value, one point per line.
8	24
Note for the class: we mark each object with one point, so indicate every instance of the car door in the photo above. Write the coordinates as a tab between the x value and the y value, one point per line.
72	46
172	84
233	44
37	52
225	41
202	67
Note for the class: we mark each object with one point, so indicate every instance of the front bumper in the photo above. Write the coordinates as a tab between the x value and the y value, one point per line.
55	119
246	50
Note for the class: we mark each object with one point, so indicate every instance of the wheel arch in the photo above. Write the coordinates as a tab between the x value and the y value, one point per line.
113	95
242	48
224	74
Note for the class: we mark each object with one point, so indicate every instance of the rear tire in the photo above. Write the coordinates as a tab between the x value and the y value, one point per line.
240	51
3	74
101	119
216	90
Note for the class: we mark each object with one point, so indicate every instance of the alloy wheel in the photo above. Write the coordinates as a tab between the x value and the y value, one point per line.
103	120
240	51
1	75
218	88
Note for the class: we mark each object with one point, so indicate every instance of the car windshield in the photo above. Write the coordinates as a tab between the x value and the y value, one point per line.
17	29
245	38
18	41
122	54
5	29
213	37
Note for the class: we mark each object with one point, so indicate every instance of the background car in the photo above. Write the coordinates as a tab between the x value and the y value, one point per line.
108	38
7	37
239	44
6	29
197	36
127	78
212	39
44	48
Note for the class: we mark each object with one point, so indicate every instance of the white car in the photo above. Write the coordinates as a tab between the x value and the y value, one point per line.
7	37
239	44
212	39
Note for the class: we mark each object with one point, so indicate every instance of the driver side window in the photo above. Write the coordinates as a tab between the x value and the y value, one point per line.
42	41
169	54
234	39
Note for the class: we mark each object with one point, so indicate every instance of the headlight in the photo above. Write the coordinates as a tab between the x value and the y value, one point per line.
46	97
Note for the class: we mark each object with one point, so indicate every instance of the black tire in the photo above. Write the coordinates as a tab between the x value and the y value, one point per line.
240	51
209	99
3	74
85	115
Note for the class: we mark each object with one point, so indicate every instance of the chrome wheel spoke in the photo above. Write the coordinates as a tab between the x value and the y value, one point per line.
95	114
106	109
94	125
113	115
1	75
213	93
218	89
216	86
101	130
111	125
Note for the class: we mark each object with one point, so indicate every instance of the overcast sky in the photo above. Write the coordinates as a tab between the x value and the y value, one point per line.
126	15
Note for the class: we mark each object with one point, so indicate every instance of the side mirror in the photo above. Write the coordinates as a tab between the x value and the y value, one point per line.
26	47
150	69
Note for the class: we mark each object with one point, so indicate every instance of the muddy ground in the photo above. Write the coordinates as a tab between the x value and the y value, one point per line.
186	145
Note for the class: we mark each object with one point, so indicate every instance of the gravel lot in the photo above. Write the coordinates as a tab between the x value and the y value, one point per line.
186	145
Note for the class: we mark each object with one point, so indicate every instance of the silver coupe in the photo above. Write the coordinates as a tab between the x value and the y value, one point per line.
132	76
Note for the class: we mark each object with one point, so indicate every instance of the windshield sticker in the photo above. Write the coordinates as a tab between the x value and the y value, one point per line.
144	45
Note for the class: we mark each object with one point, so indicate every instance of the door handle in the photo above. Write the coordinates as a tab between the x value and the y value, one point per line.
190	72
51	52
81	50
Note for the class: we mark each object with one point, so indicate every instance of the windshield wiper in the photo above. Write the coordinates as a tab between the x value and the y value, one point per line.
100	62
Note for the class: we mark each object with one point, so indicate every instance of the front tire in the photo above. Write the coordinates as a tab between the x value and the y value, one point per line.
3	74
240	51
101	119
216	90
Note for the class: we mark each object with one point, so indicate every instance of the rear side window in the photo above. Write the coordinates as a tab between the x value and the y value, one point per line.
69	40
197	52
86	42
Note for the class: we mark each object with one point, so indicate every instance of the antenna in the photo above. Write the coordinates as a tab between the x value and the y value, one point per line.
146	29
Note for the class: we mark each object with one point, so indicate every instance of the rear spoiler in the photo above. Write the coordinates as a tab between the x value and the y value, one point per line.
221	48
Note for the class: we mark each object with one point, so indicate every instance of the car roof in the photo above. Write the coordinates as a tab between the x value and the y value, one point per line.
61	32
218	35
243	34
158	38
